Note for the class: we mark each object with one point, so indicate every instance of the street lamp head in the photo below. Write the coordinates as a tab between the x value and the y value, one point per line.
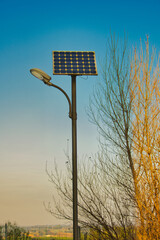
38	73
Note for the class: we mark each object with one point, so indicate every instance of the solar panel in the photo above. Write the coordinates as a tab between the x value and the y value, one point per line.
74	63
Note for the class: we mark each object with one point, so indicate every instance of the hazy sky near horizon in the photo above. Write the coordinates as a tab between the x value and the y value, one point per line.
34	123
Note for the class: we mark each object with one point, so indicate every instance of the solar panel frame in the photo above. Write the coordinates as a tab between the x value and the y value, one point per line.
74	63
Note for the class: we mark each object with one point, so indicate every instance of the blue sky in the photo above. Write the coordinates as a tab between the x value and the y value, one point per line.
34	123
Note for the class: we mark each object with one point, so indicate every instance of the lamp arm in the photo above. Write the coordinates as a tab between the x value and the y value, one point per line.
68	99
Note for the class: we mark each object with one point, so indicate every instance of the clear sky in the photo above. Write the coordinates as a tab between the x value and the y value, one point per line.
34	123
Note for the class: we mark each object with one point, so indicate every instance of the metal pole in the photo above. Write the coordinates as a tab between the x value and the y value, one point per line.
74	159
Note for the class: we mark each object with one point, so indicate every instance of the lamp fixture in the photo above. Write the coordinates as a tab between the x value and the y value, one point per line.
38	73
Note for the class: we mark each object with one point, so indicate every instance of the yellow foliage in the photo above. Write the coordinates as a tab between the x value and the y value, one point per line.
145	95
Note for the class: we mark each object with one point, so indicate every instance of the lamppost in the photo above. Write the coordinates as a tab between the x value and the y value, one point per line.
74	64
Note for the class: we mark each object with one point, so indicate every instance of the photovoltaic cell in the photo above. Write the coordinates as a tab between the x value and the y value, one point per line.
74	63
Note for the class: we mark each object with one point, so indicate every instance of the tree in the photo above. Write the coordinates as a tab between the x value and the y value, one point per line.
100	199
145	92
1	229
15	232
112	199
105	182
